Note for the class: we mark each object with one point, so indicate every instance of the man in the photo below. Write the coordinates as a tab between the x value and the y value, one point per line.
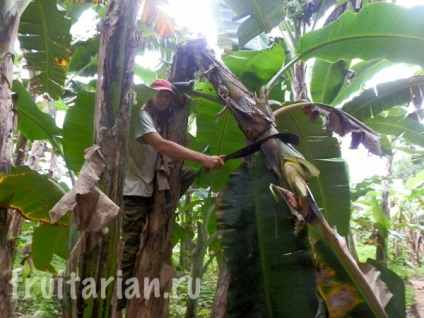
145	147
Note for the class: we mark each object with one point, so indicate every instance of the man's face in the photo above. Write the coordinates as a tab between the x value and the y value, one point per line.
162	100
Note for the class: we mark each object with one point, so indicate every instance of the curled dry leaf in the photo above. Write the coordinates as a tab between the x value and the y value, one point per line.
92	208
342	123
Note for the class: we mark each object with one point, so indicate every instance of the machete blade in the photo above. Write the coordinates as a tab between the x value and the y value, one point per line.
288	138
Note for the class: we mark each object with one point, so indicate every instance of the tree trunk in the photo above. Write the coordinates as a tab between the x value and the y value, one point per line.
381	250
220	303
154	258
118	44
9	21
187	244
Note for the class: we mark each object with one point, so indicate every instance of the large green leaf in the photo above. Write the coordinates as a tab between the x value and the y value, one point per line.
220	137
381	97
84	57
409	129
78	130
262	16
48	240
30	193
331	188
362	72
327	79
256	68
271	270
378	30
34	124
44	36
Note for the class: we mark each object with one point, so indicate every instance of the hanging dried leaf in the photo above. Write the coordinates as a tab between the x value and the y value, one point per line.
92	208
342	123
154	16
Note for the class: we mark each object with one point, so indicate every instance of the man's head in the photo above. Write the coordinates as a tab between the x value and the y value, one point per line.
164	96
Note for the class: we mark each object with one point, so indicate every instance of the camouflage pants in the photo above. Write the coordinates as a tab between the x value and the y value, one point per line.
133	219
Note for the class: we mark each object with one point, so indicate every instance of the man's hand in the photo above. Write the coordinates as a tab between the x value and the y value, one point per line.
212	162
176	151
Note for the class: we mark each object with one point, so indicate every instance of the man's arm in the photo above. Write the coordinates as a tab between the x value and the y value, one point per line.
176	151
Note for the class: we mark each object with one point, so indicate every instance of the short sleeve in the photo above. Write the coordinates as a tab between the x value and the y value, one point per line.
146	125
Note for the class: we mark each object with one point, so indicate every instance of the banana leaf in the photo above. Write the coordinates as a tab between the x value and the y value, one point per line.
378	30
271	270
262	16
49	240
215	136
31	194
34	124
44	36
409	129
362	72
382	97
78	130
256	68
327	79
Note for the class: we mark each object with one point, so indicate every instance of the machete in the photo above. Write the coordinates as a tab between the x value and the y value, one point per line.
288	138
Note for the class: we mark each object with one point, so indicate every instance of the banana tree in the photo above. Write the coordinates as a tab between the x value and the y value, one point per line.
230	91
50	61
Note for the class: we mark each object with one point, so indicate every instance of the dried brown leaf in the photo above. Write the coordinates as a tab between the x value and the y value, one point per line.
342	124
92	208
154	16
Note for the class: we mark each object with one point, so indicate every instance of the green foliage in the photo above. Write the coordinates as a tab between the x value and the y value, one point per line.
406	168
269	264
390	94
34	124
33	292
78	130
380	34
46	41
31	193
256	68
366	35
178	303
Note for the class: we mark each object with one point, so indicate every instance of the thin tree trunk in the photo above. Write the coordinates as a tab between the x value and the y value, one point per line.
118	44
187	243
381	251
220	303
197	260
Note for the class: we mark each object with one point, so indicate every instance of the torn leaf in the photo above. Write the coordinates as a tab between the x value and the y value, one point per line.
342	123
92	209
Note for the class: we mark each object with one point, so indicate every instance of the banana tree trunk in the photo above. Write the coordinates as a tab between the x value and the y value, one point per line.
220	302
113	103
153	263
9	21
6	119
253	116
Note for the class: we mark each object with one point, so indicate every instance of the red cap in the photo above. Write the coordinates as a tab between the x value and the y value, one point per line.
162	85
